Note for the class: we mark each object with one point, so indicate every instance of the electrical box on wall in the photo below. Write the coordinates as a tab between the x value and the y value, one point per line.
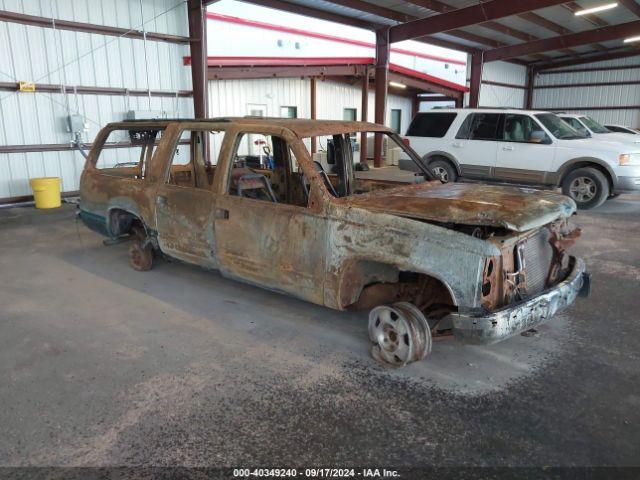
149	114
76	124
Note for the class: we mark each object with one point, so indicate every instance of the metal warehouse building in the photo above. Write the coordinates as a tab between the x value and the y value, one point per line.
374	239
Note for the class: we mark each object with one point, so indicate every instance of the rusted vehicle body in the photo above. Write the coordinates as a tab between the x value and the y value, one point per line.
243	196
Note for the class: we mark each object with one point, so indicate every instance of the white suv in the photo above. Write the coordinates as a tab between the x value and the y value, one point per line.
524	147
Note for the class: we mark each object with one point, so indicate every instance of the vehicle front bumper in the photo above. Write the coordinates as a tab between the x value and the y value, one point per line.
492	327
627	184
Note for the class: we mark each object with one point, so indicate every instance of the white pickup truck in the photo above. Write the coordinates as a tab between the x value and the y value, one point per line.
524	147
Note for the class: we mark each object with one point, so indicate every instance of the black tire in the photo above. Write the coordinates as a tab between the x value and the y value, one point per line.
444	170
588	187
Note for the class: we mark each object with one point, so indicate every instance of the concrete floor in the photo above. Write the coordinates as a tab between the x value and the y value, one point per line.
103	365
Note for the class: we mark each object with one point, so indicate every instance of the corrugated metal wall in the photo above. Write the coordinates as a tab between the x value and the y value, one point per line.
44	55
500	96
235	97
598	96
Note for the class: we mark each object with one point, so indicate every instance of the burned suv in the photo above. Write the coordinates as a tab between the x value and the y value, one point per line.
243	196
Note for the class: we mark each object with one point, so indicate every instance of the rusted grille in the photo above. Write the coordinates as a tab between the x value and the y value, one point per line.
537	256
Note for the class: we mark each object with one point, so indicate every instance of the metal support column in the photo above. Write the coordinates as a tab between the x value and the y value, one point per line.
531	79
415	105
313	112
364	114
382	76
198	46
476	79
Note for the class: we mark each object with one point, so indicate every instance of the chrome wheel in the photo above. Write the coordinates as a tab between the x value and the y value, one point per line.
441	173
583	189
400	334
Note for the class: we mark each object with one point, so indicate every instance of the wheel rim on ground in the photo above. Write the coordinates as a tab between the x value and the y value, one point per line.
400	334
583	189
441	173
141	258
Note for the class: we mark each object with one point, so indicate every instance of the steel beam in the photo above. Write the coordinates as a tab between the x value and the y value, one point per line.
632	66
85	90
632	6
604	34
312	101
198	47
364	109
382	75
531	80
234	73
482	12
15	17
476	79
588	59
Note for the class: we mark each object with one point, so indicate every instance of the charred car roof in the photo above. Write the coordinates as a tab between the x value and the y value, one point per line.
301	127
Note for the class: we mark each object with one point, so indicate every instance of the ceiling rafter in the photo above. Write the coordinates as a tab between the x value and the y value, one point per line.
632	6
588	58
477	13
442	7
604	34
395	15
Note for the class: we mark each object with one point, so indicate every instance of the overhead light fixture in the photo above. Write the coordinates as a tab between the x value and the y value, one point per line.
601	8
632	39
397	85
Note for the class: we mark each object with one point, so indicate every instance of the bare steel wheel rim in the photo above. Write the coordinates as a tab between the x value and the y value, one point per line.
400	334
441	173
583	189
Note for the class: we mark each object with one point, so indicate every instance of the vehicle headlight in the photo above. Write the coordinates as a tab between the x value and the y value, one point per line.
629	159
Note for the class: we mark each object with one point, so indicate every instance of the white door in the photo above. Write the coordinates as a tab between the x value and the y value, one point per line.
475	145
524	156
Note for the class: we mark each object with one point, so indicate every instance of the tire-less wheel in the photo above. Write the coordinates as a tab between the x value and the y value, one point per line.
587	187
444	171
140	253
400	334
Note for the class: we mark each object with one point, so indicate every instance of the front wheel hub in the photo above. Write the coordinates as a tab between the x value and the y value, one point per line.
400	334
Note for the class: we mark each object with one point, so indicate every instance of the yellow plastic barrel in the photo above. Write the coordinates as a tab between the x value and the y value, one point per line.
46	191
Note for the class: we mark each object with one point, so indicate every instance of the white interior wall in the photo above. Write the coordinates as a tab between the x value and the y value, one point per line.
233	97
500	96
597	96
45	55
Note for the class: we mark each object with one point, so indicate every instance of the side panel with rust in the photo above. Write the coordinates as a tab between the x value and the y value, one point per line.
355	234
274	245
280	247
185	224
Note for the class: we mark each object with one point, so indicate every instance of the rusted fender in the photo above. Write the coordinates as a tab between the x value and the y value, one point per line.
356	234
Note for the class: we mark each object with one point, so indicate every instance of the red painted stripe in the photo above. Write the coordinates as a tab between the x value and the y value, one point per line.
302	61
429	78
323	36
280	61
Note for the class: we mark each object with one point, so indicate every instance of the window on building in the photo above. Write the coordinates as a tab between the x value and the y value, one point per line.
396	119
349	114
289	112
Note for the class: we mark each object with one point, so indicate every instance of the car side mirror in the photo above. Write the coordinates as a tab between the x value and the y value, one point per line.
538	136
